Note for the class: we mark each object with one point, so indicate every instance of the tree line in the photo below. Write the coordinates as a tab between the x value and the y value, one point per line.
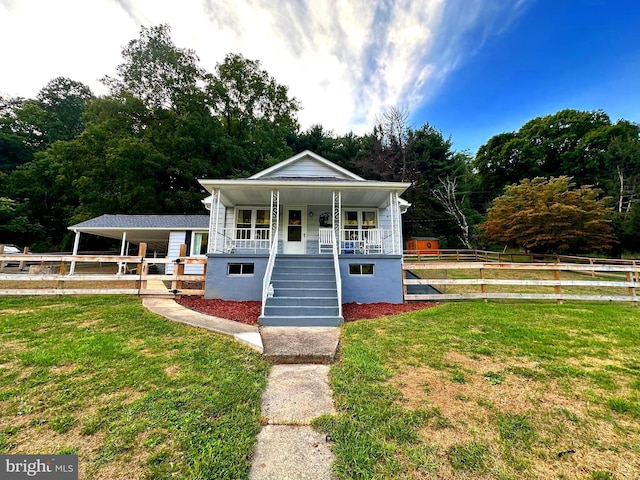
69	155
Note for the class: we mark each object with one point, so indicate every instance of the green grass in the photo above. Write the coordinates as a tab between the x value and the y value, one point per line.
492	389
126	390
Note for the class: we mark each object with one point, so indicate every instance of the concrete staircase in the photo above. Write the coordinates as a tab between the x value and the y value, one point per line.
305	293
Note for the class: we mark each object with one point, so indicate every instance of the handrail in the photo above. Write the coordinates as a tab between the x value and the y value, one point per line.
336	268
266	281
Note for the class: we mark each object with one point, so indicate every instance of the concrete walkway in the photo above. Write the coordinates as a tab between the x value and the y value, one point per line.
168	308
298	390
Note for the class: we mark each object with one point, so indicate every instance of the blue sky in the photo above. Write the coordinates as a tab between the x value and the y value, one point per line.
471	68
557	54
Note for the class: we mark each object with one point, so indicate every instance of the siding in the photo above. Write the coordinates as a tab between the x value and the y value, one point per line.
307	167
173	251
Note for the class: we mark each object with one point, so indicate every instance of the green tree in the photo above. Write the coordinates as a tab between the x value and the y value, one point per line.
157	72
256	111
32	125
575	143
551	215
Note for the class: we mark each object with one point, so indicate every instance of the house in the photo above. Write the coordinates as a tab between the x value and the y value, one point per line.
314	215
303	237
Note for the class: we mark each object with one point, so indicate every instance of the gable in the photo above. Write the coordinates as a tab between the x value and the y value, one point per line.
306	166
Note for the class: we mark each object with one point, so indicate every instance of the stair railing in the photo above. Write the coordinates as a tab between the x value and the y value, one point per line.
336	268
266	281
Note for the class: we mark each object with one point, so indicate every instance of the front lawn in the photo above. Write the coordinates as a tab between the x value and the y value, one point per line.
134	395
490	391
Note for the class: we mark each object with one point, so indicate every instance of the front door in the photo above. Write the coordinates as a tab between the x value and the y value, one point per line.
295	230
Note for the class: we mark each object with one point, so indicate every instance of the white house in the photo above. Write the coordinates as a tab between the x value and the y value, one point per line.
303	236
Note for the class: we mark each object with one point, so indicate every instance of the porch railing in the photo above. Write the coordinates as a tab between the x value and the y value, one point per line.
246	239
266	281
336	267
365	241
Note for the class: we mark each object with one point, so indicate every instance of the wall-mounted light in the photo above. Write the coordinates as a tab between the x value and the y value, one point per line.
311	214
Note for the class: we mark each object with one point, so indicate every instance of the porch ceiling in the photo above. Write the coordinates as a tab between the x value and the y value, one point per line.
251	192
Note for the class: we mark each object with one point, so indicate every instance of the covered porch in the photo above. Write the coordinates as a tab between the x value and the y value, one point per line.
305	217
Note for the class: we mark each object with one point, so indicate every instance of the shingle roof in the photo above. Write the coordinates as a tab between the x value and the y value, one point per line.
146	221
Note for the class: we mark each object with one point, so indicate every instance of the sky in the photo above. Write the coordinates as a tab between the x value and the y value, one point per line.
470	68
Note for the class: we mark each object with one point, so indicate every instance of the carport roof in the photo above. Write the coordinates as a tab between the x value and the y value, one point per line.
152	229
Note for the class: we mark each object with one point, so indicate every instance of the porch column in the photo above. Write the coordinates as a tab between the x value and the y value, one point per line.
214	215
337	215
76	243
396	230
275	215
121	265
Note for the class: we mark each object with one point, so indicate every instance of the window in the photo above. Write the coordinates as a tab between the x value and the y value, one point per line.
252	224
356	222
199	242
361	269
240	269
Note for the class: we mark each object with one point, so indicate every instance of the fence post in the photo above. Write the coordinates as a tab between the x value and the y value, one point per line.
21	266
61	272
404	284
142	266
557	288
483	286
178	271
632	290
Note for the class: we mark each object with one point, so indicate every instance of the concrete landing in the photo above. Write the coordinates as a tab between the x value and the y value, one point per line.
296	394
289	452
316	345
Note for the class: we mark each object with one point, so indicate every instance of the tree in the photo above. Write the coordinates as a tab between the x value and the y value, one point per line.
575	143
550	216
65	100
31	125
448	196
156	71
255	110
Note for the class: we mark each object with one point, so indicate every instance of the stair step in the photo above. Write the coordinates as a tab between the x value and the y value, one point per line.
305	276
300	310
304	292
303	283
319	321
310	301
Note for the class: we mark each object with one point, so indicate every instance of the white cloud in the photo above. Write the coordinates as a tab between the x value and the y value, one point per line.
344	60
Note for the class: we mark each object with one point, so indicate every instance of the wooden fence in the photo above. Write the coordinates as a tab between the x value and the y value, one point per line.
461	255
493	280
99	274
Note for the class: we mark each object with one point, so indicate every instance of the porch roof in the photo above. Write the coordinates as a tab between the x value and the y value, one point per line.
304	191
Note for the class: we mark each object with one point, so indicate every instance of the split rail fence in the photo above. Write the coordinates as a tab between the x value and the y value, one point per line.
35	274
503	280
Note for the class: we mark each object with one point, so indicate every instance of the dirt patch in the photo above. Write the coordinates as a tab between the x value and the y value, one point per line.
172	371
560	416
57	370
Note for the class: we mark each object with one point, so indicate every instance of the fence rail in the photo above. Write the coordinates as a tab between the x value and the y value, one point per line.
473	280
85	274
453	255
